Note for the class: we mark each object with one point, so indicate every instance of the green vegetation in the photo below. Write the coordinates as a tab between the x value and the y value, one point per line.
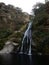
41	27
13	23
12	20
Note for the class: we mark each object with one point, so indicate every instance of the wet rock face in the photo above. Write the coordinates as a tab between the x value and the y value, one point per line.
8	47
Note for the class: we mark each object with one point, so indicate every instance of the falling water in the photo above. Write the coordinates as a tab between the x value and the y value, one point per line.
27	41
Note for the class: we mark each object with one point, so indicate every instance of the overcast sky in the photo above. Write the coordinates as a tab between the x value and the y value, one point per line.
25	5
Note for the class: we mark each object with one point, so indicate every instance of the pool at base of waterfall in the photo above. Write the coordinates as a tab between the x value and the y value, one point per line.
21	59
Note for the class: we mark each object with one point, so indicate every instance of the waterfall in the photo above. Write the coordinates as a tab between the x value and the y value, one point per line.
27	41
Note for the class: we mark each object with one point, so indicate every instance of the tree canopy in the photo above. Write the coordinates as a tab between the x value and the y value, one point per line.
41	27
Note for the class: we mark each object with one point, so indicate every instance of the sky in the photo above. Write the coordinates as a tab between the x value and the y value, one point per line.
25	5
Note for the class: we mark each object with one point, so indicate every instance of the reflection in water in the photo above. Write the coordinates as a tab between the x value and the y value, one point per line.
25	60
14	59
6	59
30	60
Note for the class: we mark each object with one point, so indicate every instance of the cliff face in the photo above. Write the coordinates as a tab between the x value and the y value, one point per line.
11	19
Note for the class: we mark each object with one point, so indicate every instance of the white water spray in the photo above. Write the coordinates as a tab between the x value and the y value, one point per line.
27	41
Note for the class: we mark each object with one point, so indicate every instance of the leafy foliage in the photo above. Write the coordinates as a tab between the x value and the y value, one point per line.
41	27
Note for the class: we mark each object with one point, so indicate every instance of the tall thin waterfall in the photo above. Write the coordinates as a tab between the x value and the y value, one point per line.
27	41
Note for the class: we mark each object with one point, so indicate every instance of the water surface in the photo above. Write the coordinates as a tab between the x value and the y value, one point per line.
14	59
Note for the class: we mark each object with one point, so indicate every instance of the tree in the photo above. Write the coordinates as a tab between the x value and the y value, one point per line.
41	27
